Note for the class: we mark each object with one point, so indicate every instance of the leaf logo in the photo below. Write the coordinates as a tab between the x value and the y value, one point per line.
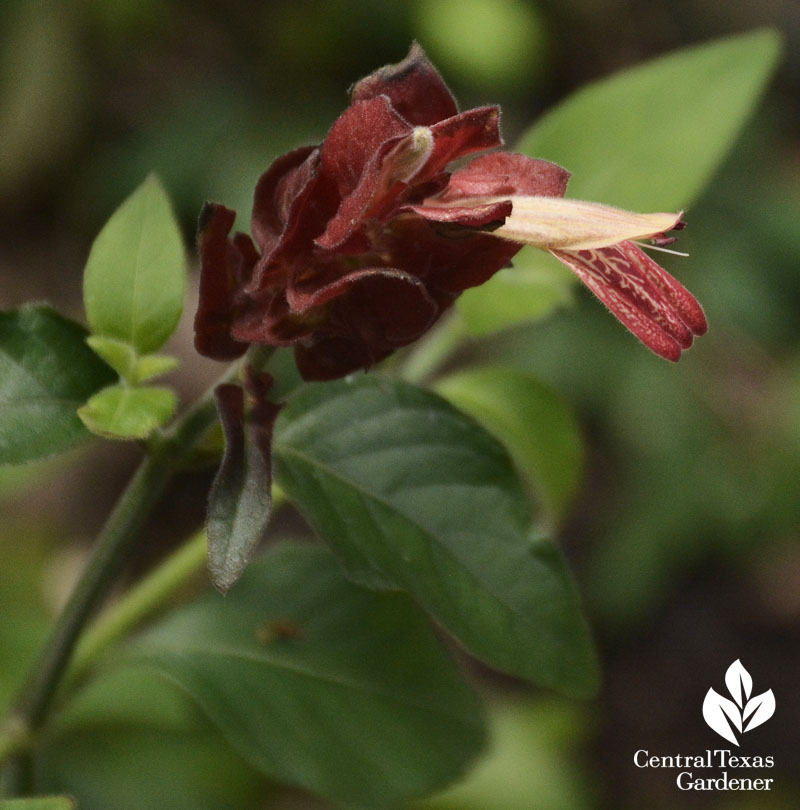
742	713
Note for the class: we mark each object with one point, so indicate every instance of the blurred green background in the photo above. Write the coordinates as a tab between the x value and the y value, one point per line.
685	535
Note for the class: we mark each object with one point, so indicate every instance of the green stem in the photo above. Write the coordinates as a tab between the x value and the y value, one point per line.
434	349
142	602
146	599
111	551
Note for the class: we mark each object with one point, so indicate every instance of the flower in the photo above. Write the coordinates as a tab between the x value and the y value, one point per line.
360	244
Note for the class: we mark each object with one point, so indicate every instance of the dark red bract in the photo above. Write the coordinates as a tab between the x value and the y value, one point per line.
347	262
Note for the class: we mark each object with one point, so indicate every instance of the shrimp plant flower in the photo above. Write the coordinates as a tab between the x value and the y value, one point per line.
361	243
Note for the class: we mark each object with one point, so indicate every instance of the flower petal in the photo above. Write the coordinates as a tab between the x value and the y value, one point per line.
368	315
279	194
505	174
414	88
225	266
468	132
620	276
551	223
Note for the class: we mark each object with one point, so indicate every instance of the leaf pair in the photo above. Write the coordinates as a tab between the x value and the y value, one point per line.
133	291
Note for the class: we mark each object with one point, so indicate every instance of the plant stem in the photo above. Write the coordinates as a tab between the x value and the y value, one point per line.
434	349
146	599
111	551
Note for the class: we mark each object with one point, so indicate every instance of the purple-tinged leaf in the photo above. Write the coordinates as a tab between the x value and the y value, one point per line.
240	501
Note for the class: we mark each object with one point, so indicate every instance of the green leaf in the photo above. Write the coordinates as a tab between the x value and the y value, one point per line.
413	494
154	365
533	422
131	721
536	285
123	358
134	281
652	136
321	684
240	501
45	803
46	372
122	412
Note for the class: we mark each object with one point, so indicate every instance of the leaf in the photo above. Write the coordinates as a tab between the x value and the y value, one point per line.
46	372
42	803
321	684
153	365
536	285
121	356
131	721
532	421
651	137
240	501
412	494
134	281
717	710
123	412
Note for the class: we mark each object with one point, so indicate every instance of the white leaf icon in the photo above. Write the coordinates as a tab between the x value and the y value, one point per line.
759	709
738	681
720	713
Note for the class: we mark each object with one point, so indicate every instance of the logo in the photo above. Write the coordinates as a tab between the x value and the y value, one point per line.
731	718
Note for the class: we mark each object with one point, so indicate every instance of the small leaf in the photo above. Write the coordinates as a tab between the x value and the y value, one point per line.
119	355
42	803
649	138
46	372
153	365
122	412
533	422
717	710
240	501
134	281
412	494
321	684
761	707
739	682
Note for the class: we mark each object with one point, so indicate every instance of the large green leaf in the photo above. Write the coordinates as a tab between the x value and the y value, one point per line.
652	136
413	494
132	740
322	684
46	372
533	422
134	281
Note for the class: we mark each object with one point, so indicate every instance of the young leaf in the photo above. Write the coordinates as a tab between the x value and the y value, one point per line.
533	422
39	803
321	684
153	365
413	494
122	412
240	500
134	281
121	356
652	136
46	372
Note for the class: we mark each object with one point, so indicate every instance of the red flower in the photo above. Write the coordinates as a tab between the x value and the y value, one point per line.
363	242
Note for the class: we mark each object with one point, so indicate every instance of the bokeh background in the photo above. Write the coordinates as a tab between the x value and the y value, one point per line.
684	538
